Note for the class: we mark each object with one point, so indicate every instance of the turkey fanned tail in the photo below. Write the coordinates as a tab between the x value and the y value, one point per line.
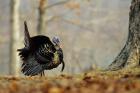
31	67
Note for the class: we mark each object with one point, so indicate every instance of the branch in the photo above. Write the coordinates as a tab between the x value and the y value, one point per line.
57	3
78	25
50	19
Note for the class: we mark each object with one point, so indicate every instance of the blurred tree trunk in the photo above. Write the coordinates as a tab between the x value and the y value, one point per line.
41	16
14	41
130	54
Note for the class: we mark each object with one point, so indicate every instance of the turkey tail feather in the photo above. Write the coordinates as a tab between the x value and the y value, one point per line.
26	35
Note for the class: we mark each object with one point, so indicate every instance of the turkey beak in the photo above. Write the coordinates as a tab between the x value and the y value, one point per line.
63	66
60	46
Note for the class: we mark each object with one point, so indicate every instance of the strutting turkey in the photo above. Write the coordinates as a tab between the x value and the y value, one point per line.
40	54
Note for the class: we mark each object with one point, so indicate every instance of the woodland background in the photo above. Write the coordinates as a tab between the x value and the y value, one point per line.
92	32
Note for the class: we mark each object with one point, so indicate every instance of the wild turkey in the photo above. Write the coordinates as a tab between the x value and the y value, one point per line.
40	54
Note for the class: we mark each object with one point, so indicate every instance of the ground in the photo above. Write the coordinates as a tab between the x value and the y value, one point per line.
123	81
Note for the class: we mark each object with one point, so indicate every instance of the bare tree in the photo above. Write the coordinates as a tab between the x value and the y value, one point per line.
130	54
41	16
14	60
43	6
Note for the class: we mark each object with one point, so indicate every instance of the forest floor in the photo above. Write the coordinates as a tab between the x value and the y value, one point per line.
123	81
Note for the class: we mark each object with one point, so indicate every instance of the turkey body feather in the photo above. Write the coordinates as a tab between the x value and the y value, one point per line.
39	54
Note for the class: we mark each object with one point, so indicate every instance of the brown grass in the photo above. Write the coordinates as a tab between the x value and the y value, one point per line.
122	81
